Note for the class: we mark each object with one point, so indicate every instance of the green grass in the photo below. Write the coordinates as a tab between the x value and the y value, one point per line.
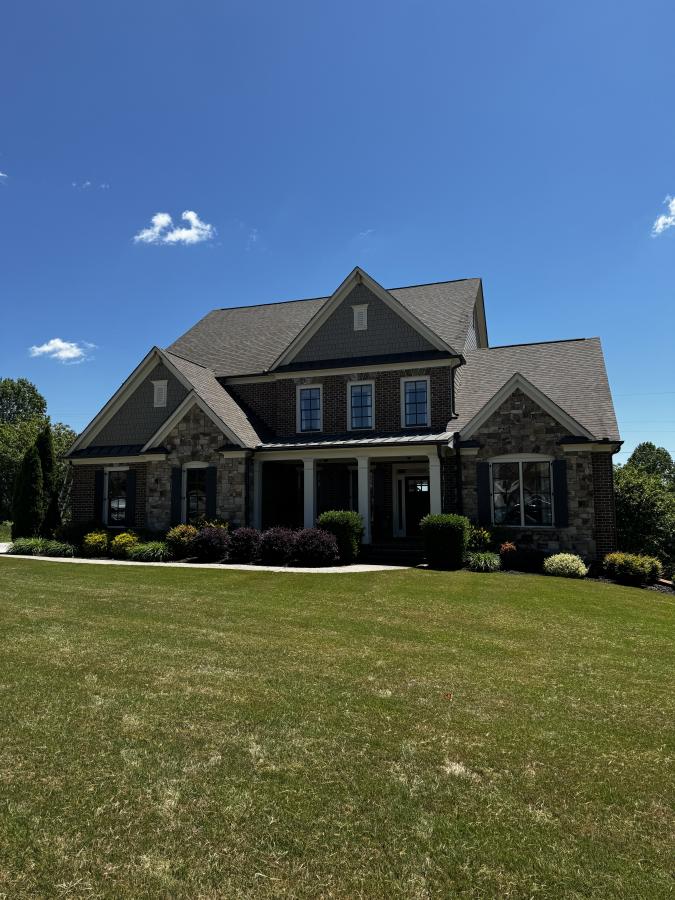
5	532
173	733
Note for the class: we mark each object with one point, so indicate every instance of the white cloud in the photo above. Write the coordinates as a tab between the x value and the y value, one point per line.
3	175
68	352
366	233
163	231
664	222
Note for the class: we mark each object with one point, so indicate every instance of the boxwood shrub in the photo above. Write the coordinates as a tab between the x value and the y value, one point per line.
445	539
179	538
347	526
277	546
150	551
565	565
210	544
315	547
632	568
244	545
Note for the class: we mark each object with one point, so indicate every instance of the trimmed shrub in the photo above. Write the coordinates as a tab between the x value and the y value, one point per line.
41	547
480	539
520	559
276	546
210	544
95	543
27	504
215	522
445	539
179	538
483	561
244	545
347	526
316	547
631	568
150	551
122	543
565	565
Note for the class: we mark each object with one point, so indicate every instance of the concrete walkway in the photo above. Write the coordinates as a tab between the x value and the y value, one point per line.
325	570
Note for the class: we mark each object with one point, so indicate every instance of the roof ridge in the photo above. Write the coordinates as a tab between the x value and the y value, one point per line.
405	287
185	359
537	343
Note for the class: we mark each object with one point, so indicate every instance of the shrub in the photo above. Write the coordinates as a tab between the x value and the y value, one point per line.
276	546
631	568
244	545
74	532
483	561
44	444
27	503
27	546
445	539
565	565
150	551
122	543
347	526
480	539
210	544
178	540
316	547
41	547
95	543
521	559
215	522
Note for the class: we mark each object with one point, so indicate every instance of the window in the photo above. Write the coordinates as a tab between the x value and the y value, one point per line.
309	416
360	317
195	493
160	392
115	510
522	493
415	401
361	404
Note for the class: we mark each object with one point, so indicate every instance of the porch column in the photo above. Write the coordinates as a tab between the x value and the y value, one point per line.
434	483
363	463
257	493
309	485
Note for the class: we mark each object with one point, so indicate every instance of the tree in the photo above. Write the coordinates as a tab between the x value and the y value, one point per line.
20	401
654	461
27	507
50	501
645	514
15	439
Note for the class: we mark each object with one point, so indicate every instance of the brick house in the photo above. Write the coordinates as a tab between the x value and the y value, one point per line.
390	402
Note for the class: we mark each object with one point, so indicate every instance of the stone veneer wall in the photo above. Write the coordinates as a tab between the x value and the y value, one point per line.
196	439
521	426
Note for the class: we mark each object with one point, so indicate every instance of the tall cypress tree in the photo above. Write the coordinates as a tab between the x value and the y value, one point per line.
27	507
50	501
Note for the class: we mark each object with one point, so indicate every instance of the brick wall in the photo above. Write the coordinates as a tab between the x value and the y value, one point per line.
82	493
603	492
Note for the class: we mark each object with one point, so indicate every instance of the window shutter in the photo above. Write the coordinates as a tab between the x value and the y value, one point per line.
98	495
176	491
484	493
130	511
559	471
211	487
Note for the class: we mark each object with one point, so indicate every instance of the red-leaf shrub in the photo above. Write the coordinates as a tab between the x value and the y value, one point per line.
277	546
245	545
316	547
210	544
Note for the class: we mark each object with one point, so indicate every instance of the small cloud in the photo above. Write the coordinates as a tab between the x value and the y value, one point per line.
163	231
104	187
68	352
664	222
366	233
253	238
3	176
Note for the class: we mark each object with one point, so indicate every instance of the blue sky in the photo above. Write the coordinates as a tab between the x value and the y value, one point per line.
529	143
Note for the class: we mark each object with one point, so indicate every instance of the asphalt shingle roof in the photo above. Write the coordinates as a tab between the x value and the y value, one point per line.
572	373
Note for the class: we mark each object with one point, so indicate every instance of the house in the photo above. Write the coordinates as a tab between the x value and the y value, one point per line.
390	402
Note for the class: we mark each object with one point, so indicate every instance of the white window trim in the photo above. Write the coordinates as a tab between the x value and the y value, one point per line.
306	387
106	471
360	308
521	458
403	384
350	385
160	392
183	489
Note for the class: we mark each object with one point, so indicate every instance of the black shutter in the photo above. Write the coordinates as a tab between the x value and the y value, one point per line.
176	491
211	488
559	469
130	510
484	493
98	496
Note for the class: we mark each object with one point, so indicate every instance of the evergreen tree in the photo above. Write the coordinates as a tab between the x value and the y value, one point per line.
27	508
50	501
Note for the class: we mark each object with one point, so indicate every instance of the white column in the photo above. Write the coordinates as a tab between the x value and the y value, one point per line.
434	483
364	495
257	493
309	485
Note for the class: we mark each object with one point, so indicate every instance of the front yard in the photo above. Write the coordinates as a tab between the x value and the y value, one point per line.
177	733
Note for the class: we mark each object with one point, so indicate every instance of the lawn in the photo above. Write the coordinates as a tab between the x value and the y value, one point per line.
173	733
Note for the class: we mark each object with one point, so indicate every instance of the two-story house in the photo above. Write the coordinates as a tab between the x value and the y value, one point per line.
390	402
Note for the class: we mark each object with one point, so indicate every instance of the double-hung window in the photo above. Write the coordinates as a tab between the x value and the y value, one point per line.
195	493
522	493
415	402
115	497
309	406
361	405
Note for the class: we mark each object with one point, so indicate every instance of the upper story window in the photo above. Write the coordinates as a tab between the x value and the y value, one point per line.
360	317
415	402
309	407
522	492
160	392
361	404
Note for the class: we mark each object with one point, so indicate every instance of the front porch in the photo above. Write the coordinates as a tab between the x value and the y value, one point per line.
391	489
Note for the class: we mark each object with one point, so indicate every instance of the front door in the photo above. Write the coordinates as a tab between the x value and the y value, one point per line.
416	502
